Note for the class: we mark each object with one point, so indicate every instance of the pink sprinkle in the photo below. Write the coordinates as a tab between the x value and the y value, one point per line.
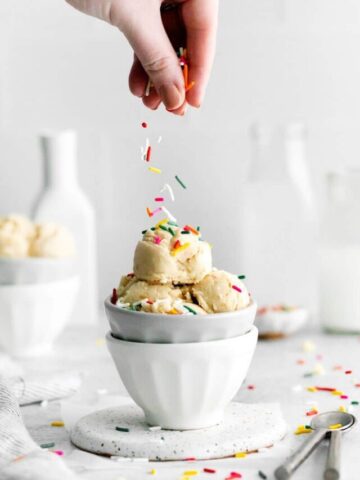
159	199
237	288
58	452
251	387
157	210
157	240
344	396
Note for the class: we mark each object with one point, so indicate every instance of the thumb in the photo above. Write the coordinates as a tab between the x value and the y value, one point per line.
153	48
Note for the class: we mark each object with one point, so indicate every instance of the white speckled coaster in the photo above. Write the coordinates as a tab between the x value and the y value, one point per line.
245	427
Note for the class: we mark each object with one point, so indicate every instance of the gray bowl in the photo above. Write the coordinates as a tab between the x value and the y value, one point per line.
159	328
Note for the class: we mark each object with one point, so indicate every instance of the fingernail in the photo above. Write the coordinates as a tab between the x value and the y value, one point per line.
171	96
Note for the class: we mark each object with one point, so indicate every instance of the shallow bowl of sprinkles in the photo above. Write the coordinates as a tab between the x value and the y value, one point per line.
127	323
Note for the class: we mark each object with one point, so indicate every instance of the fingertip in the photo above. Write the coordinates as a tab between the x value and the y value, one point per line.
172	96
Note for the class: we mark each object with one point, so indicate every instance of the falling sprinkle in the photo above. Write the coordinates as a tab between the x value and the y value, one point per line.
153	471
209	470
159	199
149	212
325	389
57	423
354	402
170	216
144	124
241	277
148	154
159	139
162	222
180	182
235	287
191	229
157	210
251	387
154	169
122	429
170	190
344	397
48	445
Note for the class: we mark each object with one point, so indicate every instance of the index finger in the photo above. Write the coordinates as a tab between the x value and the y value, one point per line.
200	20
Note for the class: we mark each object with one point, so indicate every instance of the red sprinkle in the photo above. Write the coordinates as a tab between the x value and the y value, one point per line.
357	385
114	298
348	372
148	153
150	302
189	459
237	288
235	475
325	389
311	413
177	244
251	387
187	228
209	470
144	125
159	199
131	275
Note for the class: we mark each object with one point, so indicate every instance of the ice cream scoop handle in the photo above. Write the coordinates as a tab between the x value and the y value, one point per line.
332	470
288	468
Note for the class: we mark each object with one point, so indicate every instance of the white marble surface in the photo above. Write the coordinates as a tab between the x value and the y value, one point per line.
275	374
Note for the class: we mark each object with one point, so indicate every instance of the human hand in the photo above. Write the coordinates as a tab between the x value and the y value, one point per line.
156	30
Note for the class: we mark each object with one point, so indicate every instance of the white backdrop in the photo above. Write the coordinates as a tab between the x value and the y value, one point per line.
277	61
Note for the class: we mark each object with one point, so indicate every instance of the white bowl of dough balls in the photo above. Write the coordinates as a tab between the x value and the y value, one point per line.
38	284
179	325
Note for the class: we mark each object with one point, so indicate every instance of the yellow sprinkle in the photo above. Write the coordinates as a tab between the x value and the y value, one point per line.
153	471
162	222
240	455
337	392
301	431
154	169
57	423
335	426
175	251
311	389
342	408
190	473
173	312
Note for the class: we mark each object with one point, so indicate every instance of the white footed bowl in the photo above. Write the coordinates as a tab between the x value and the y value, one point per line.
32	316
31	270
162	328
183	386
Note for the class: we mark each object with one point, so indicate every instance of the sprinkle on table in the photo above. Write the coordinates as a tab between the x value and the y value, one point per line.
262	475
354	402
57	423
60	453
190	473
348	372
235	287
122	429
325	389
240	455
144	124
235	475
155	170
342	409
48	445
153	471
209	470
180	182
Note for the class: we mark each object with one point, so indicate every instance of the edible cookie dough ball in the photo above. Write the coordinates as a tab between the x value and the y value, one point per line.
52	240
16	232
179	258
215	292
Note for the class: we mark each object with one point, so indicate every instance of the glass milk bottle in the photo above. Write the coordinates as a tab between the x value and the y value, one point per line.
277	247
340	254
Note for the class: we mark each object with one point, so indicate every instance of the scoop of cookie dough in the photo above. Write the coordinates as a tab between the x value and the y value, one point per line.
172	256
215	292
16	232
52	240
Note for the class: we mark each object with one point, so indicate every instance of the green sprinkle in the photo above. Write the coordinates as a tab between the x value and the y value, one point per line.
164	228
152	228
122	429
198	229
181	183
171	231
354	402
308	374
308	427
262	475
143	232
174	224
190	310
185	232
241	277
48	445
